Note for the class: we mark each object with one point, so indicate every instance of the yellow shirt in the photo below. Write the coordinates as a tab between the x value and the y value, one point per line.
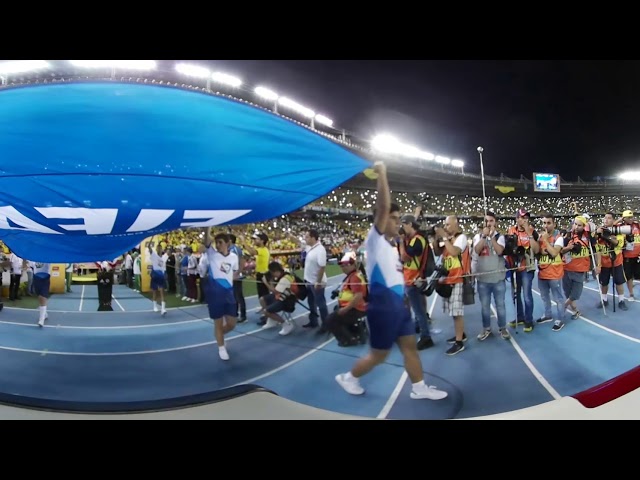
262	260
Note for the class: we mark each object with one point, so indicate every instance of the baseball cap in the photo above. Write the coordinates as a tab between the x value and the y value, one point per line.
349	258
408	219
522	213
627	213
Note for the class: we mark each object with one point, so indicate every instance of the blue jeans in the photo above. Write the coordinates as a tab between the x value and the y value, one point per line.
418	307
485	290
548	287
524	282
317	301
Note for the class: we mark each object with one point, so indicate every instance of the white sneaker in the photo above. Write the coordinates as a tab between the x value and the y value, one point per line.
287	328
271	323
41	322
184	299
155	307
350	386
429	393
163	312
224	355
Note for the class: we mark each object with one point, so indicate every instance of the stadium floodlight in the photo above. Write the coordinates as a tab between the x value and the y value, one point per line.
266	93
386	143
296	107
443	160
389	144
225	79
631	176
195	71
457	163
324	120
16	67
113	64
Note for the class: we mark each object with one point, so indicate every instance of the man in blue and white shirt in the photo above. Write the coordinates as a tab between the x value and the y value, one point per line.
41	284
157	277
388	317
222	268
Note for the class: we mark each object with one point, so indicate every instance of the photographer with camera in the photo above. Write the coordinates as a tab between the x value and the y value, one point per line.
579	244
631	253
519	242
414	251
456	260
490	273
550	271
611	240
351	303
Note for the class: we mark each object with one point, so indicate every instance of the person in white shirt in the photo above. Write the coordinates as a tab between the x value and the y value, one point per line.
16	275
41	284
157	277
388	316
220	267
316	279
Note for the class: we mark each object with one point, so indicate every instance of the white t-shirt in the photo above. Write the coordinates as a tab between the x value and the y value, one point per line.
221	267
157	264
315	260
384	268
41	269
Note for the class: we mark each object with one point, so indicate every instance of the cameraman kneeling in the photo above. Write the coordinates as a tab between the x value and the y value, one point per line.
351	304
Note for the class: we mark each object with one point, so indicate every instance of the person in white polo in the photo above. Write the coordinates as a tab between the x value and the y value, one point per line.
316	279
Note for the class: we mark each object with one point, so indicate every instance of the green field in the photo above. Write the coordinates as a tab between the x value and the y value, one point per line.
249	288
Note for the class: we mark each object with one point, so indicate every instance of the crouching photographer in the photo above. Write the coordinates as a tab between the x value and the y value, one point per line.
345	323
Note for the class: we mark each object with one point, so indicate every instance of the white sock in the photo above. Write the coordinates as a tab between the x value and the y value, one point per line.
43	312
419	386
604	297
623	299
163	306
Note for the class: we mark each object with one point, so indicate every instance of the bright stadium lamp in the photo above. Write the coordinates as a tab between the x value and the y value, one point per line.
268	94
324	120
457	163
296	107
114	65
225	79
631	176
195	71
16	67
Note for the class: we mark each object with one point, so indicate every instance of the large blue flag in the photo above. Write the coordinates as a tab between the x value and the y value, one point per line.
88	170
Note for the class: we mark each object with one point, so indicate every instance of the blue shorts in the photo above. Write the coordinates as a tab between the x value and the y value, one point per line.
386	325
41	285
157	280
221	301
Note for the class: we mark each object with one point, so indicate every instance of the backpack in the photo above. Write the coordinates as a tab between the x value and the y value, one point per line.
298	287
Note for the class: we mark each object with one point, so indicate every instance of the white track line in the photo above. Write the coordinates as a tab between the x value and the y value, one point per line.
144	352
81	299
595	324
536	373
288	364
403	378
117	302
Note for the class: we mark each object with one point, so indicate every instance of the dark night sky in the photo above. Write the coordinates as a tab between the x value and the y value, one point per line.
568	117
